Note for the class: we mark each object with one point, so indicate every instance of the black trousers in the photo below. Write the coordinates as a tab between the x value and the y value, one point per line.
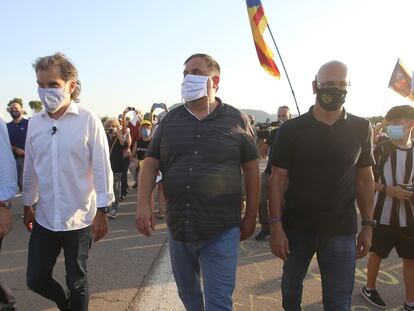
7	299
44	248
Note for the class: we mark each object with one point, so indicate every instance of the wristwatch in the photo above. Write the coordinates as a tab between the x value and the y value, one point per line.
104	210
372	223
5	204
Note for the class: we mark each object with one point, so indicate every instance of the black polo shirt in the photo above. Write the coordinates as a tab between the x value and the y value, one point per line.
200	164
322	162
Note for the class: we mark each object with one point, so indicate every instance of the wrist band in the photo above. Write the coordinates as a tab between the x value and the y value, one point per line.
275	219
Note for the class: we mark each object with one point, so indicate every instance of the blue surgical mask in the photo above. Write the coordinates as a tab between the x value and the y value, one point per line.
145	132
396	132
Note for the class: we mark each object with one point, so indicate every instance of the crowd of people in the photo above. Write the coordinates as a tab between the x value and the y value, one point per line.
202	161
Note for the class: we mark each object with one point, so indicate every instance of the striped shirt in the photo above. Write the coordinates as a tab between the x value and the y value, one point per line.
200	163
403	169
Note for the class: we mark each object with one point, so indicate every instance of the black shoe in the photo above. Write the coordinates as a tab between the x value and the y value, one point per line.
374	298
407	307
261	235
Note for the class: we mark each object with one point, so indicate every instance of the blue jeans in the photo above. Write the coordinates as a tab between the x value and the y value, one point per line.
336	258
217	259
44	248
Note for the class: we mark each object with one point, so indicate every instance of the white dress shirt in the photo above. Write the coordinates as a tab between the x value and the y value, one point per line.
67	163
8	170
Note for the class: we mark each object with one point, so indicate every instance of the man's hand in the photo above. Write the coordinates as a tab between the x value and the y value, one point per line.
5	221
29	218
364	241
248	226
145	220
398	192
99	226
19	152
279	244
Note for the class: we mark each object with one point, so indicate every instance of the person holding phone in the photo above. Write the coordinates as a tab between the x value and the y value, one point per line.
394	204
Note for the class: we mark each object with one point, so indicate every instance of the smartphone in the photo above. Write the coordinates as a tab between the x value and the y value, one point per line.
157	105
131	108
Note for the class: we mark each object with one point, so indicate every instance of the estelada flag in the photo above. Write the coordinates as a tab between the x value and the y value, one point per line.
400	81
258	23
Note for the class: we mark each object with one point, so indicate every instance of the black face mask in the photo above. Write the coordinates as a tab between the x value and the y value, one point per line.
330	99
15	114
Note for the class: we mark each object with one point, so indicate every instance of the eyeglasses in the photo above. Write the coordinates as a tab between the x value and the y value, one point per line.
338	84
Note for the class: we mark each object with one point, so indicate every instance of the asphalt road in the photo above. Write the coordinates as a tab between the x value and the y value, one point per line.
126	270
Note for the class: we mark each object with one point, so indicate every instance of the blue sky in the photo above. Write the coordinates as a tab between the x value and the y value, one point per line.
131	52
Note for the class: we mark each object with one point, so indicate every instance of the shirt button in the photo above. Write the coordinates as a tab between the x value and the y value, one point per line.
196	152
188	205
198	135
187	222
188	187
190	169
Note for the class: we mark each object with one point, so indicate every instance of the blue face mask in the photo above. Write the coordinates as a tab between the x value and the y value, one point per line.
396	132
145	132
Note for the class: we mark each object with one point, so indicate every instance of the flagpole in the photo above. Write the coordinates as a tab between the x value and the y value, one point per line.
284	68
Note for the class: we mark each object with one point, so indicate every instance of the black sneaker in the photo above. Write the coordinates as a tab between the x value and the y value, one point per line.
374	298
261	235
407	307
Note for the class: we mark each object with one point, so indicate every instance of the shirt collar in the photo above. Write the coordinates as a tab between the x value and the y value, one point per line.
73	108
344	115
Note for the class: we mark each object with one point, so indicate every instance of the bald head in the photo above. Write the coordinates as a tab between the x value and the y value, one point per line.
332	71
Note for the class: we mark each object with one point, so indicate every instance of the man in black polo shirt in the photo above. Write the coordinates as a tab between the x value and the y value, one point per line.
17	132
201	148
326	154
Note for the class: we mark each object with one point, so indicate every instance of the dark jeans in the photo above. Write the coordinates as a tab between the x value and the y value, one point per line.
19	166
44	248
263	202
336	258
124	179
7	299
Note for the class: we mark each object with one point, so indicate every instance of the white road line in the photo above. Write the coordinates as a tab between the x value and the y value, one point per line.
159	292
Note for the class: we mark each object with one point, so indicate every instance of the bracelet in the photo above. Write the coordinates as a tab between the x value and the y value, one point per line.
276	219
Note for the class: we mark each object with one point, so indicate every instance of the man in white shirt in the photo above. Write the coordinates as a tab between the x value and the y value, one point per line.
8	187
67	171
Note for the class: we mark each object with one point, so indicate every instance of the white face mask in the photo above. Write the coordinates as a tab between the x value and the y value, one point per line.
53	98
194	87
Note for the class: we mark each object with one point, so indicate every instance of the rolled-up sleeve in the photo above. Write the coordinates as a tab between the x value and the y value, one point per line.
101	166
8	176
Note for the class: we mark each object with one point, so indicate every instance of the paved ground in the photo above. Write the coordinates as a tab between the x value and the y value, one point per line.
128	271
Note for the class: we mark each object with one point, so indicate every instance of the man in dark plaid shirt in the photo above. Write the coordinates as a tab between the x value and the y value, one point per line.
201	148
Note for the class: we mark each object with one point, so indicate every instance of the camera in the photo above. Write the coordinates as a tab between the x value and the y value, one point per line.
264	129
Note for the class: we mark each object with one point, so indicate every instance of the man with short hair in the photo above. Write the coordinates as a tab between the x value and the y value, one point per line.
201	148
323	158
17	132
265	147
8	187
394	201
67	167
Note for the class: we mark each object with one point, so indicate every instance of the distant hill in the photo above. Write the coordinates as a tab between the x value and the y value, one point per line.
259	115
